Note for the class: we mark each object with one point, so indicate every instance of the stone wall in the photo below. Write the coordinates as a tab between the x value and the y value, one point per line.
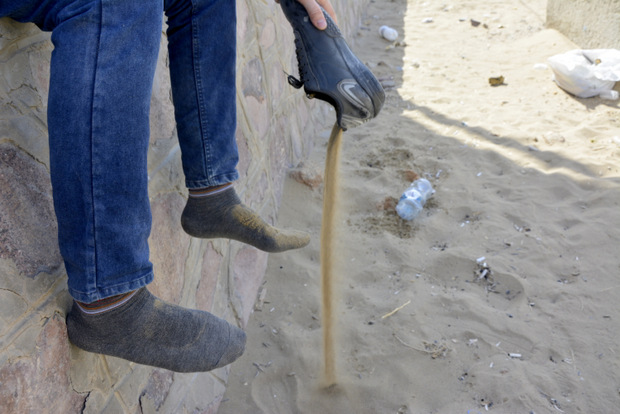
40	371
592	24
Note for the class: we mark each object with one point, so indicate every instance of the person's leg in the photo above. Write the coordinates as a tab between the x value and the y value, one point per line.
101	79
100	85
23	10
102	69
202	50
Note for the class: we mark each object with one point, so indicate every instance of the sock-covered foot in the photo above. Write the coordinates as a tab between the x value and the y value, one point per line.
149	331
221	214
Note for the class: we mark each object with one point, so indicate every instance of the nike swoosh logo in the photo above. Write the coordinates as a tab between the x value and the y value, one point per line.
346	87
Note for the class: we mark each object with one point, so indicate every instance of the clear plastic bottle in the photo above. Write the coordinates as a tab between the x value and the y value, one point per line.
413	199
610	94
388	33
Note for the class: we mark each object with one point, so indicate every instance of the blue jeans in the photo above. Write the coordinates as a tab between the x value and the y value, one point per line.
102	69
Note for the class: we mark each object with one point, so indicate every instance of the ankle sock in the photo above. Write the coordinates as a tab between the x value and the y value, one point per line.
220	213
207	191
149	331
106	304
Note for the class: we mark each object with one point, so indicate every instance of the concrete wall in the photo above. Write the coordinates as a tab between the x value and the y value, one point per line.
592	24
40	371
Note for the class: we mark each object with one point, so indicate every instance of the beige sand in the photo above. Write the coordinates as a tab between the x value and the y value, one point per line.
526	177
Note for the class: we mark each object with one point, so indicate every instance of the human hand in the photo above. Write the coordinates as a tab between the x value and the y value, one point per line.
315	13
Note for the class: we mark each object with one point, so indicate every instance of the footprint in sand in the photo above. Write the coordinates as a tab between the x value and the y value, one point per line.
276	392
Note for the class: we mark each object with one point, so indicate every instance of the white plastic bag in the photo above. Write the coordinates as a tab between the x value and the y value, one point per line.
586	73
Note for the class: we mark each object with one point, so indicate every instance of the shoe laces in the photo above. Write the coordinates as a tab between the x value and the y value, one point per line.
302	63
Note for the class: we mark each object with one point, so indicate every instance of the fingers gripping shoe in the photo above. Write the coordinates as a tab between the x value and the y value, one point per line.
330	71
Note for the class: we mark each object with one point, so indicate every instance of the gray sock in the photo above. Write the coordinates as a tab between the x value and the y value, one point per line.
149	331
223	215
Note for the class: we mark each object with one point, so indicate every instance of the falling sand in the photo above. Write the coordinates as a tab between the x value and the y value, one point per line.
330	207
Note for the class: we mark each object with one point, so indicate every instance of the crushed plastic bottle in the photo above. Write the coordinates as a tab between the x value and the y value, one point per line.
413	199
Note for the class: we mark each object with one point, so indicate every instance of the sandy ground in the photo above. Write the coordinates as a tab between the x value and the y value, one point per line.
527	180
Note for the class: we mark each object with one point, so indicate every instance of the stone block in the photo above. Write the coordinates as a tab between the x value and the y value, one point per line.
209	275
277	84
96	402
156	390
28	229
162	121
100	403
244	24
255	195
193	393
279	151
252	80
132	387
244	153
25	54
12	306
88	372
258	116
279	155
248	271
299	147
169	245
267	34
40	383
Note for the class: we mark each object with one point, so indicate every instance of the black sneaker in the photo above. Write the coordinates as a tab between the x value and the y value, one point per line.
330	71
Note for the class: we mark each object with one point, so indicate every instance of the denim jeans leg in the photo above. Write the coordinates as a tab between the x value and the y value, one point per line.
25	11
102	71
202	50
